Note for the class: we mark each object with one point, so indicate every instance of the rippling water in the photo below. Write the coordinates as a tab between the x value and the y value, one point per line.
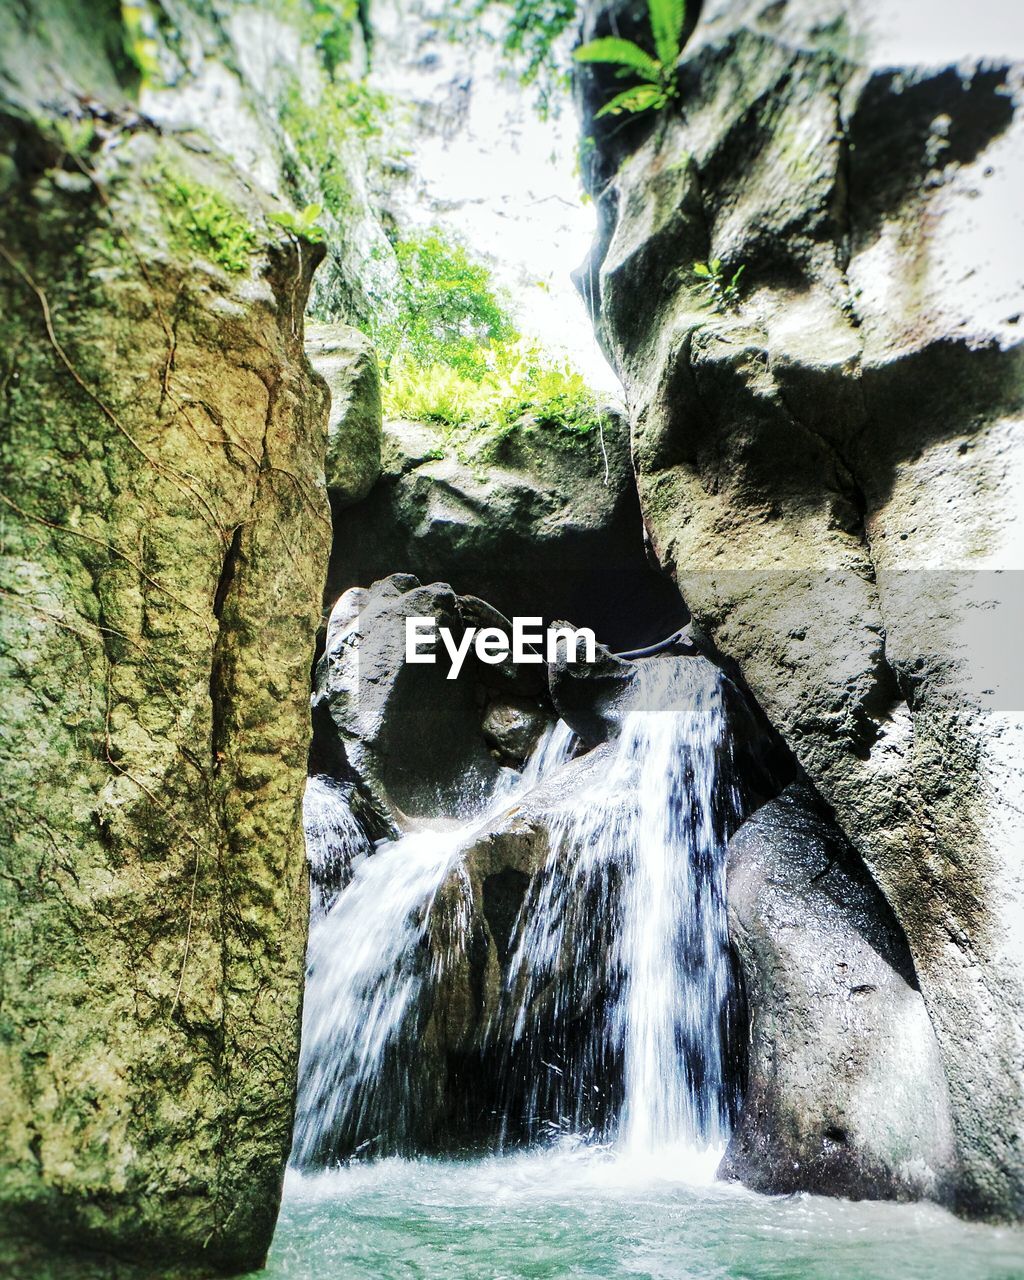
553	1214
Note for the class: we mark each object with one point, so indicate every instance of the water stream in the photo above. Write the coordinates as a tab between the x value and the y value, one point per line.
366	969
560	1213
626	918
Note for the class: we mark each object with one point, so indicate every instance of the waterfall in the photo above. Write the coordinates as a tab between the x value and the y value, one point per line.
334	841
365	970
613	1006
645	840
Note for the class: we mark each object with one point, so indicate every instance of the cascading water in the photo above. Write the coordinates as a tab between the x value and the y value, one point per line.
334	841
613	1002
366	968
648	834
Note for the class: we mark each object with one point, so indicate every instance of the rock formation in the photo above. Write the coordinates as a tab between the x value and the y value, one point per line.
531	523
416	744
846	1091
825	454
165	539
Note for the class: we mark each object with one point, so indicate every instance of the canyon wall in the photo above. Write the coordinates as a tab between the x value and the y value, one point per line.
165	540
827	451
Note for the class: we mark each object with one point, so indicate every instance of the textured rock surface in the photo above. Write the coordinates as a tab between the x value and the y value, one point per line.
413	740
252	76
529	525
831	467
846	1093
347	362
165	537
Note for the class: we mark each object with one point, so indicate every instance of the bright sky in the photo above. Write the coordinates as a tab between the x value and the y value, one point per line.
489	169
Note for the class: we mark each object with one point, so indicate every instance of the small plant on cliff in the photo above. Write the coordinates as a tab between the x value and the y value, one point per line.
302	224
206	222
139	45
657	72
721	291
326	25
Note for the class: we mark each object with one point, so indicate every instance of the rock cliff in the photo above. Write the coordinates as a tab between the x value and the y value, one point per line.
165	537
825	455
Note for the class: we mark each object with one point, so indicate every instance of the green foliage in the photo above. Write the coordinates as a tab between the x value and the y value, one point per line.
452	357
326	25
720	291
139	45
206	222
74	137
447	311
348	110
302	224
520	388
332	20
655	71
531	30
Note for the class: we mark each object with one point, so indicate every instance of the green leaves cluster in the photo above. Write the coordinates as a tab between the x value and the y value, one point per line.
446	309
348	110
452	356
521	387
327	25
206	222
718	289
302	224
655	71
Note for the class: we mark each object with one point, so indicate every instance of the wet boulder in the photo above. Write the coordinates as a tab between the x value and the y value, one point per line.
846	1093
412	740
591	697
513	725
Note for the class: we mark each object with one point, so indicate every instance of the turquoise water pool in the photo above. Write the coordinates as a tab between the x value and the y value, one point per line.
581	1213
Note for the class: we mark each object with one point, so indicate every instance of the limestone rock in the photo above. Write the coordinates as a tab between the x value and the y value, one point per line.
165	538
846	1092
529	525
347	362
829	465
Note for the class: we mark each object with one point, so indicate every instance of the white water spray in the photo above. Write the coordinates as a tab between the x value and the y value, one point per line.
645	841
365	968
624	926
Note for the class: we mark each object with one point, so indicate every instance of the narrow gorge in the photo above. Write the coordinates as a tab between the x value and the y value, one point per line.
694	329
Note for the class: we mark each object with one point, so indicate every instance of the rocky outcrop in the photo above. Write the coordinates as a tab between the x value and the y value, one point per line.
347	362
827	456
846	1094
279	89
530	523
415	743
165	537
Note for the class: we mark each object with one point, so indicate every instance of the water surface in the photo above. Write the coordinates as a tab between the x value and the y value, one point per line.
581	1213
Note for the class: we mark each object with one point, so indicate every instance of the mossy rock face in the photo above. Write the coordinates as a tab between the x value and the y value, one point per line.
823	462
347	361
165	534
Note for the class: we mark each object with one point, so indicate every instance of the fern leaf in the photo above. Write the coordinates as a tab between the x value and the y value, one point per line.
668	17
642	97
623	53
